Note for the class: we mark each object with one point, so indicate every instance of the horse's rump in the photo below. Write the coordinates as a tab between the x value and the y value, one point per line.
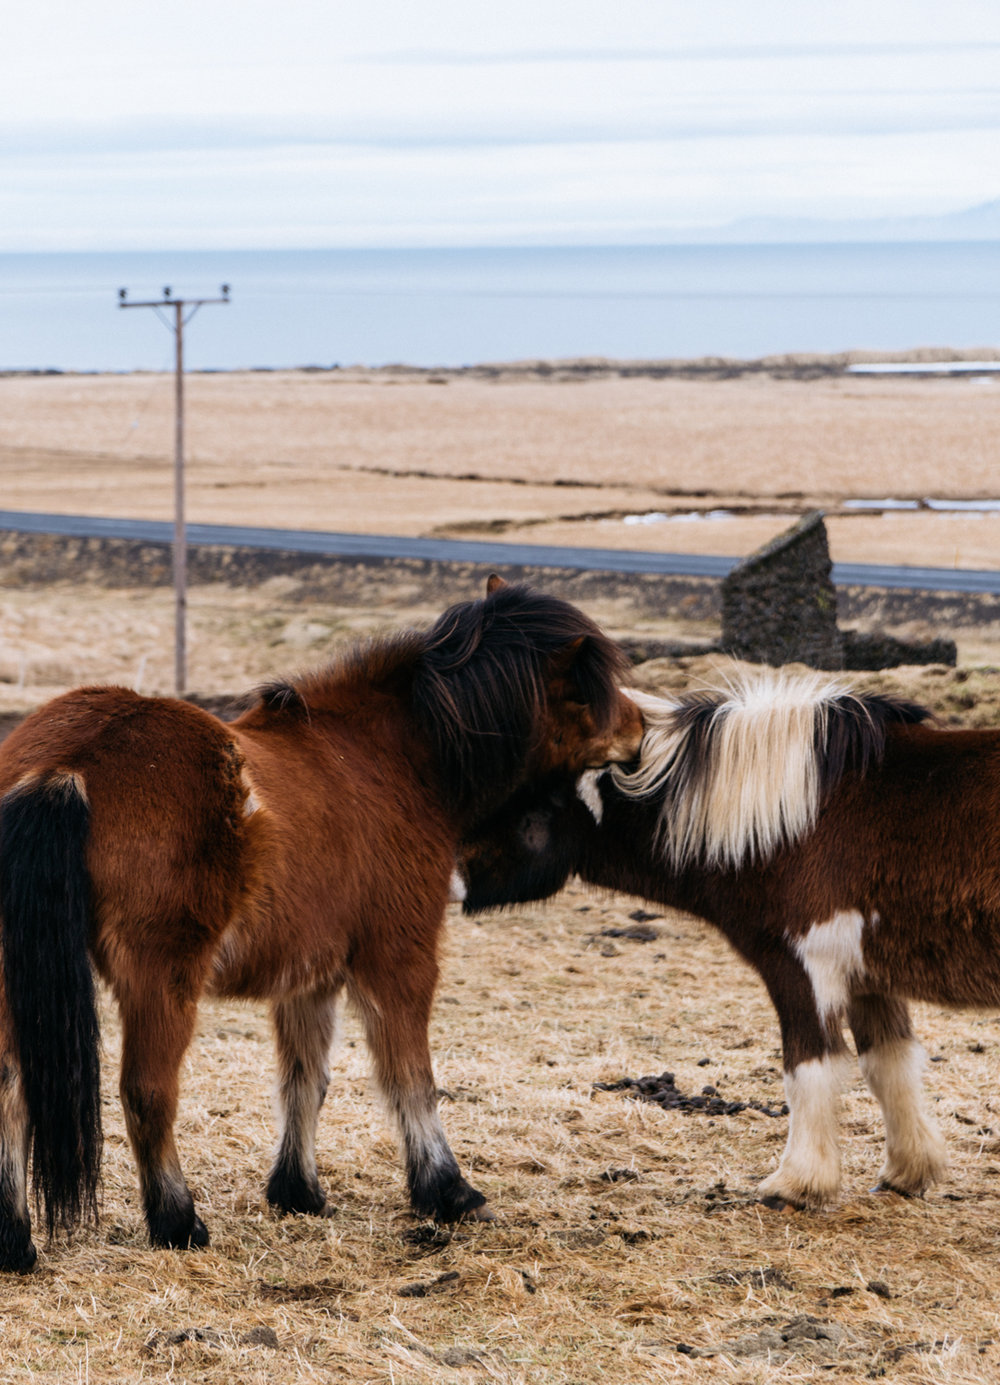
167	845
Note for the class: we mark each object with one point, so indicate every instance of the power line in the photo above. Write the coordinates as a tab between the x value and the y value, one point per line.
180	321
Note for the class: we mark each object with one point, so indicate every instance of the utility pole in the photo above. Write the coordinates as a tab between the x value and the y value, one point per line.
179	306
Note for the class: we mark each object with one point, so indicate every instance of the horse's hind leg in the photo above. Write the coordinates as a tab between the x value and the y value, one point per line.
16	1249
395	1008
303	1028
892	1062
156	1030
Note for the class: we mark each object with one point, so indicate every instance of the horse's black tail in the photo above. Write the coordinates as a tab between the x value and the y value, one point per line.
45	911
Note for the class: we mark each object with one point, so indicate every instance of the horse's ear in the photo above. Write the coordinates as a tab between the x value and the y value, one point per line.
567	656
493	583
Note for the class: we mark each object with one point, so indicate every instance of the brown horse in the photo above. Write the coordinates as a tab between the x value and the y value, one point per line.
304	849
850	853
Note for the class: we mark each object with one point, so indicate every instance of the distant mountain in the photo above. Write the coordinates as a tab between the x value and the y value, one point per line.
981	223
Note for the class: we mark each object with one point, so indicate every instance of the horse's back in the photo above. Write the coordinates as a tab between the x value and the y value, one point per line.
938	788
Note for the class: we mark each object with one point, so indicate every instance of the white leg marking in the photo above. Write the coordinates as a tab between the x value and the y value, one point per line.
809	1172
306	1030
423	1134
457	889
832	957
589	794
13	1139
914	1150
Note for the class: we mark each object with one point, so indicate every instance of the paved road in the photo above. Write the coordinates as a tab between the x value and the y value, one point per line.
488	554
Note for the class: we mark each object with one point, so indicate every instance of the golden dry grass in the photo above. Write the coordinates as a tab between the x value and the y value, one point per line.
625	1232
629	1246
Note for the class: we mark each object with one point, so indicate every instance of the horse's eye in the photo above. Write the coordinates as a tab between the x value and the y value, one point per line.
535	831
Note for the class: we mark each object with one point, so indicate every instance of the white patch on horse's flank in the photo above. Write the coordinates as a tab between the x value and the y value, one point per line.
229	954
757	787
457	888
832	956
809	1172
914	1150
589	794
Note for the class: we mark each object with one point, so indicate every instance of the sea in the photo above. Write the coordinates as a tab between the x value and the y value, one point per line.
466	306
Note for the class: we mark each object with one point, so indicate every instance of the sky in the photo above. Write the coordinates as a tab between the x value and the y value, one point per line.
200	124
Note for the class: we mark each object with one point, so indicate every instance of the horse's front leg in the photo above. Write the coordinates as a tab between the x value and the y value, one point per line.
814	1057
893	1062
303	1030
156	1029
394	992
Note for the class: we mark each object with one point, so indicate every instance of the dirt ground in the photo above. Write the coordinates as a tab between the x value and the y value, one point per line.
629	1246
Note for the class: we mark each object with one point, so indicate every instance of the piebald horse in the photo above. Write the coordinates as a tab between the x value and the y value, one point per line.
847	850
303	850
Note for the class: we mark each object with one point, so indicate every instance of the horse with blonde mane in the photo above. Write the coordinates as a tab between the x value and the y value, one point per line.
846	849
303	850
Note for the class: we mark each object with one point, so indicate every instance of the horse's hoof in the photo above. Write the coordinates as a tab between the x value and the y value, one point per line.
891	1188
19	1261
290	1194
482	1213
777	1203
452	1200
193	1236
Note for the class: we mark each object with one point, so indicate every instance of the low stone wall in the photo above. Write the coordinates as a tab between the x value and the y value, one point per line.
779	605
42	559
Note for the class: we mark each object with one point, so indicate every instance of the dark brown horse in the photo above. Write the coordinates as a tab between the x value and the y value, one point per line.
304	849
850	853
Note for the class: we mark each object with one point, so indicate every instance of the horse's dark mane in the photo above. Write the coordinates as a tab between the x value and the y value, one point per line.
855	734
479	687
281	695
476	684
336	686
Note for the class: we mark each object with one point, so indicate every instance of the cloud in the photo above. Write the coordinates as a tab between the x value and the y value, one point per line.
726	53
391	121
328	194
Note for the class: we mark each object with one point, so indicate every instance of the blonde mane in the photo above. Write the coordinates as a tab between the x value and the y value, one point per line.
740	769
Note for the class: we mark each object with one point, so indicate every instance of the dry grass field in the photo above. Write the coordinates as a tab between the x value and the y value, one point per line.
524	456
629	1246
